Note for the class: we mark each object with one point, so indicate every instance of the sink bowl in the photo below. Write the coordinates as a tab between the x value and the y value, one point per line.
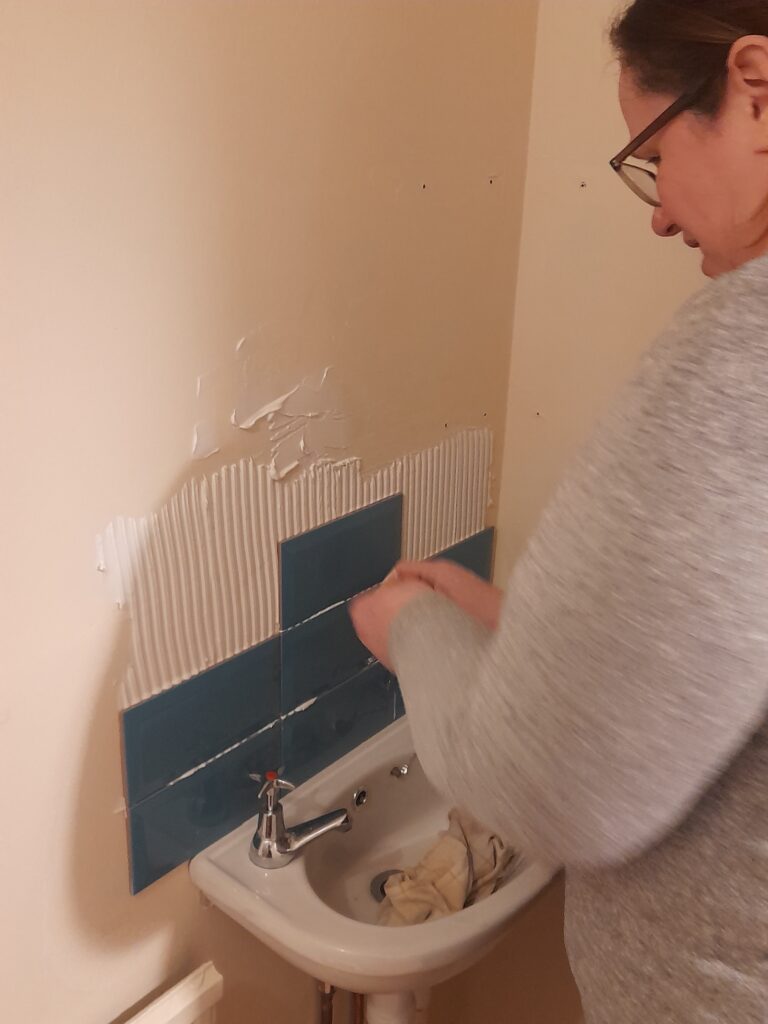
319	912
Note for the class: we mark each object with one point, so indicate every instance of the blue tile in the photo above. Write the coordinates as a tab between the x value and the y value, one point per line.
167	735
337	722
322	567
173	825
475	553
318	655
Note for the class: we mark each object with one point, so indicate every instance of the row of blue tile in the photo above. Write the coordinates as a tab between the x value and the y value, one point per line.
169	735
185	816
174	733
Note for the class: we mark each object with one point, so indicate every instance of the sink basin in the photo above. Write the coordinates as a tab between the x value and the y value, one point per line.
319	912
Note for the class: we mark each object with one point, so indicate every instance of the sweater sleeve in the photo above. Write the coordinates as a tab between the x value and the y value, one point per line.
631	660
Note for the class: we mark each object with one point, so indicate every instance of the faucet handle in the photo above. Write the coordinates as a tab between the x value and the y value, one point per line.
272	787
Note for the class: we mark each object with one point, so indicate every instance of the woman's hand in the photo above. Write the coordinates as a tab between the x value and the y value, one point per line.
472	594
374	612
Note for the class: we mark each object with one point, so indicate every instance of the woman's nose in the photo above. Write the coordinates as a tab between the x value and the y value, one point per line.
663	224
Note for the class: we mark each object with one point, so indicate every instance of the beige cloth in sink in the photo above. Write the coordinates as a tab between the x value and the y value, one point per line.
465	864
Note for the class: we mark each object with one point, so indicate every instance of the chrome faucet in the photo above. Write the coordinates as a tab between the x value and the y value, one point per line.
273	845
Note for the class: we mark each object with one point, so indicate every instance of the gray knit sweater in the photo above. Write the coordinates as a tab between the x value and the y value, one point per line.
615	723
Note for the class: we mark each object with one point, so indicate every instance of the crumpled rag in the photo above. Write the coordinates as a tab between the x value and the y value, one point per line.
466	864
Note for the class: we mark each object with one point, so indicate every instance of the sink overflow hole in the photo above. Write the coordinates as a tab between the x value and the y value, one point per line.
378	883
360	797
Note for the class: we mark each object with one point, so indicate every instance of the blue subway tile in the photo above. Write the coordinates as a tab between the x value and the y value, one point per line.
167	735
173	825
322	567
319	654
475	553
337	722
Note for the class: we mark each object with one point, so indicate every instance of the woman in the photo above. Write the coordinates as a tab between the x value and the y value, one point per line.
608	713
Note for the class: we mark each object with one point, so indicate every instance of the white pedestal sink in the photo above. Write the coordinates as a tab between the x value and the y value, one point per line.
318	912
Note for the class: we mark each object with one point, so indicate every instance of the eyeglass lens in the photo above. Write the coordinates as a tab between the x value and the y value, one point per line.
642	182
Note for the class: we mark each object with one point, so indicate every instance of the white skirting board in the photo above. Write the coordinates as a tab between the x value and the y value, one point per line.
192	1001
199	577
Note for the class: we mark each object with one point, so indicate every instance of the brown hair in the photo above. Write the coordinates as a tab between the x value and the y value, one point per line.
673	45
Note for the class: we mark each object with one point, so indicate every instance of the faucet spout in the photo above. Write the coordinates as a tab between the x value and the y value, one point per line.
301	835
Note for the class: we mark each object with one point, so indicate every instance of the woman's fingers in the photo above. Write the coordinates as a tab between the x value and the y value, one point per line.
438	573
373	613
479	599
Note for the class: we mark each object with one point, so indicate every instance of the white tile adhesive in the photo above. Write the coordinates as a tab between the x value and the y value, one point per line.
199	577
305	425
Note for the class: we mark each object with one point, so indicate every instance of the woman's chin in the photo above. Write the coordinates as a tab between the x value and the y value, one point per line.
711	267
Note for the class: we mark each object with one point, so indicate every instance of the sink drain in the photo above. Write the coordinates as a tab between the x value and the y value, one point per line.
378	883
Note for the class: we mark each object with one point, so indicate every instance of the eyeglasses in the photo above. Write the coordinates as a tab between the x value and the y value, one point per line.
642	180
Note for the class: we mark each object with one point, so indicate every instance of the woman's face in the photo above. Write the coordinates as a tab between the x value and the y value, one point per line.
712	173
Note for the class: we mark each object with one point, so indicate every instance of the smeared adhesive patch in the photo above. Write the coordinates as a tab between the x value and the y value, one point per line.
305	424
245	417
213	391
204	440
287	456
101	561
199	577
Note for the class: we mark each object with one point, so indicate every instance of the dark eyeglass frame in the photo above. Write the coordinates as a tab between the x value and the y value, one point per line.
685	102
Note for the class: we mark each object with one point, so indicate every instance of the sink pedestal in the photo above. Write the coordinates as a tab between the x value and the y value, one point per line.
396	1007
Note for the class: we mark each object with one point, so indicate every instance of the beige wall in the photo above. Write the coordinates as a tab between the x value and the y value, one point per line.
177	173
594	286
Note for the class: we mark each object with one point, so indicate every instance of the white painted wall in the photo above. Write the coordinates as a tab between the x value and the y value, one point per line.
176	174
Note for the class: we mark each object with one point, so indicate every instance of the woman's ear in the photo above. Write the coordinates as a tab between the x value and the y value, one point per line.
748	72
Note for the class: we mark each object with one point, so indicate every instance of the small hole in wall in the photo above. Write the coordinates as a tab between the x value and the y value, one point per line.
485	414
445	425
583	184
490	181
423	186
538	414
